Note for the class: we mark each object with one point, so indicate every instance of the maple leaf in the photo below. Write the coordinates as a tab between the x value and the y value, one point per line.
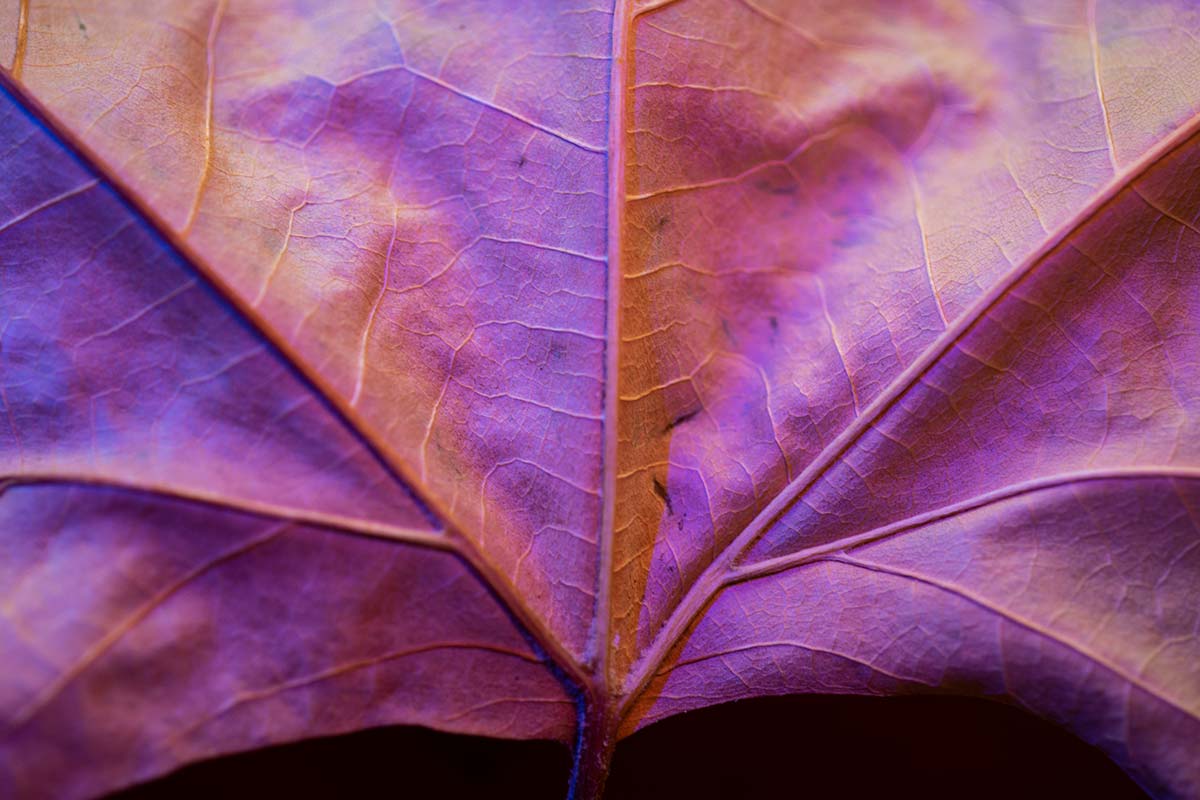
542	370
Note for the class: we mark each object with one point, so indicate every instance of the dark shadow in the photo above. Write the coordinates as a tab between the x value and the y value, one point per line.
396	762
802	747
858	747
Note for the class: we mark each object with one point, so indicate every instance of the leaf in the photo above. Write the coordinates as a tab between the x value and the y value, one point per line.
543	370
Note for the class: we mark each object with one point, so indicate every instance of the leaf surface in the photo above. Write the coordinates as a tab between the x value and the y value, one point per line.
402	209
197	555
458	364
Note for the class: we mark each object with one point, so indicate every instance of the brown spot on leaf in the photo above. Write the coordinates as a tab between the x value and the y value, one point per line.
662	492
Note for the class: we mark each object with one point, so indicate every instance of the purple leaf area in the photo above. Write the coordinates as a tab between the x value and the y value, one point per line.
197	555
543	370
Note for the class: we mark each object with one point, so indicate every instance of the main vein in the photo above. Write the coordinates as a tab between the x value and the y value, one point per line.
616	242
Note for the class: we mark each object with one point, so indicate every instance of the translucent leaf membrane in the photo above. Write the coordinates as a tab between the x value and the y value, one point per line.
816	192
414	199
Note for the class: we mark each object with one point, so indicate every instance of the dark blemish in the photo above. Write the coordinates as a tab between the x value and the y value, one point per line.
773	321
661	491
555	353
462	26
771	187
662	223
728	332
522	161
447	457
682	418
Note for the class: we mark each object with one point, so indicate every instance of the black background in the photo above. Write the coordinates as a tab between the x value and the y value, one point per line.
802	747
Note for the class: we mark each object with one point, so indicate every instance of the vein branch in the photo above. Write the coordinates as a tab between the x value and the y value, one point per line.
210	51
333	522
1094	38
479	101
18	65
250	696
772	566
1078	648
105	643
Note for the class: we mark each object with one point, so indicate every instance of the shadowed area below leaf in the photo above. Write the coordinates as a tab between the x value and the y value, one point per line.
397	761
818	745
861	747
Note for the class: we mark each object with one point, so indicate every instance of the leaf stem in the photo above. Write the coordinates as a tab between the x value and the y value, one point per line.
594	748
